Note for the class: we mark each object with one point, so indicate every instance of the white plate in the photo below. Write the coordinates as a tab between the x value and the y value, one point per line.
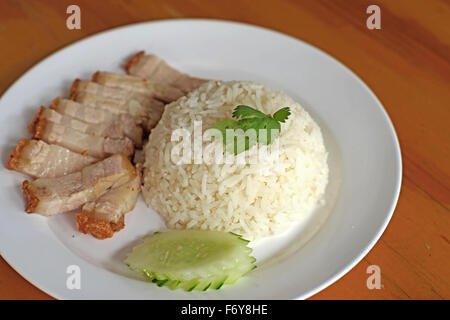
365	163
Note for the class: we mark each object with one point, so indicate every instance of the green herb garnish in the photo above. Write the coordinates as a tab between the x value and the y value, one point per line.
245	119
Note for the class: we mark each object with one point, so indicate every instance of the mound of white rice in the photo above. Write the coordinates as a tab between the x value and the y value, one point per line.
253	200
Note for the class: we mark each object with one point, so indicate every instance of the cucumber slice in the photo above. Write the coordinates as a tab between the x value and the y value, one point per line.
204	284
218	283
190	285
161	283
192	259
173	284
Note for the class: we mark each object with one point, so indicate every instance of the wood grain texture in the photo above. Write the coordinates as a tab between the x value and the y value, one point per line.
406	63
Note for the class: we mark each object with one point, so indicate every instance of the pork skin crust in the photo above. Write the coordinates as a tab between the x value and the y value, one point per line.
32	200
134	59
14	158
98	228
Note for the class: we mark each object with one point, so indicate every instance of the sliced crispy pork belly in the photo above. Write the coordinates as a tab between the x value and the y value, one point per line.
104	91
132	102
50	196
100	116
118	101
116	202
148	116
163	92
41	160
105	215
133	108
98	147
187	83
139	157
156	69
112	129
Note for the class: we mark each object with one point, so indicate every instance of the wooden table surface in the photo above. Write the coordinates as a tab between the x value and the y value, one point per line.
406	63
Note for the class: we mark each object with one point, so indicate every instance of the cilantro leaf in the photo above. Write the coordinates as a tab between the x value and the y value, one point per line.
282	114
240	141
250	123
242	112
269	130
262	128
224	125
252	126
